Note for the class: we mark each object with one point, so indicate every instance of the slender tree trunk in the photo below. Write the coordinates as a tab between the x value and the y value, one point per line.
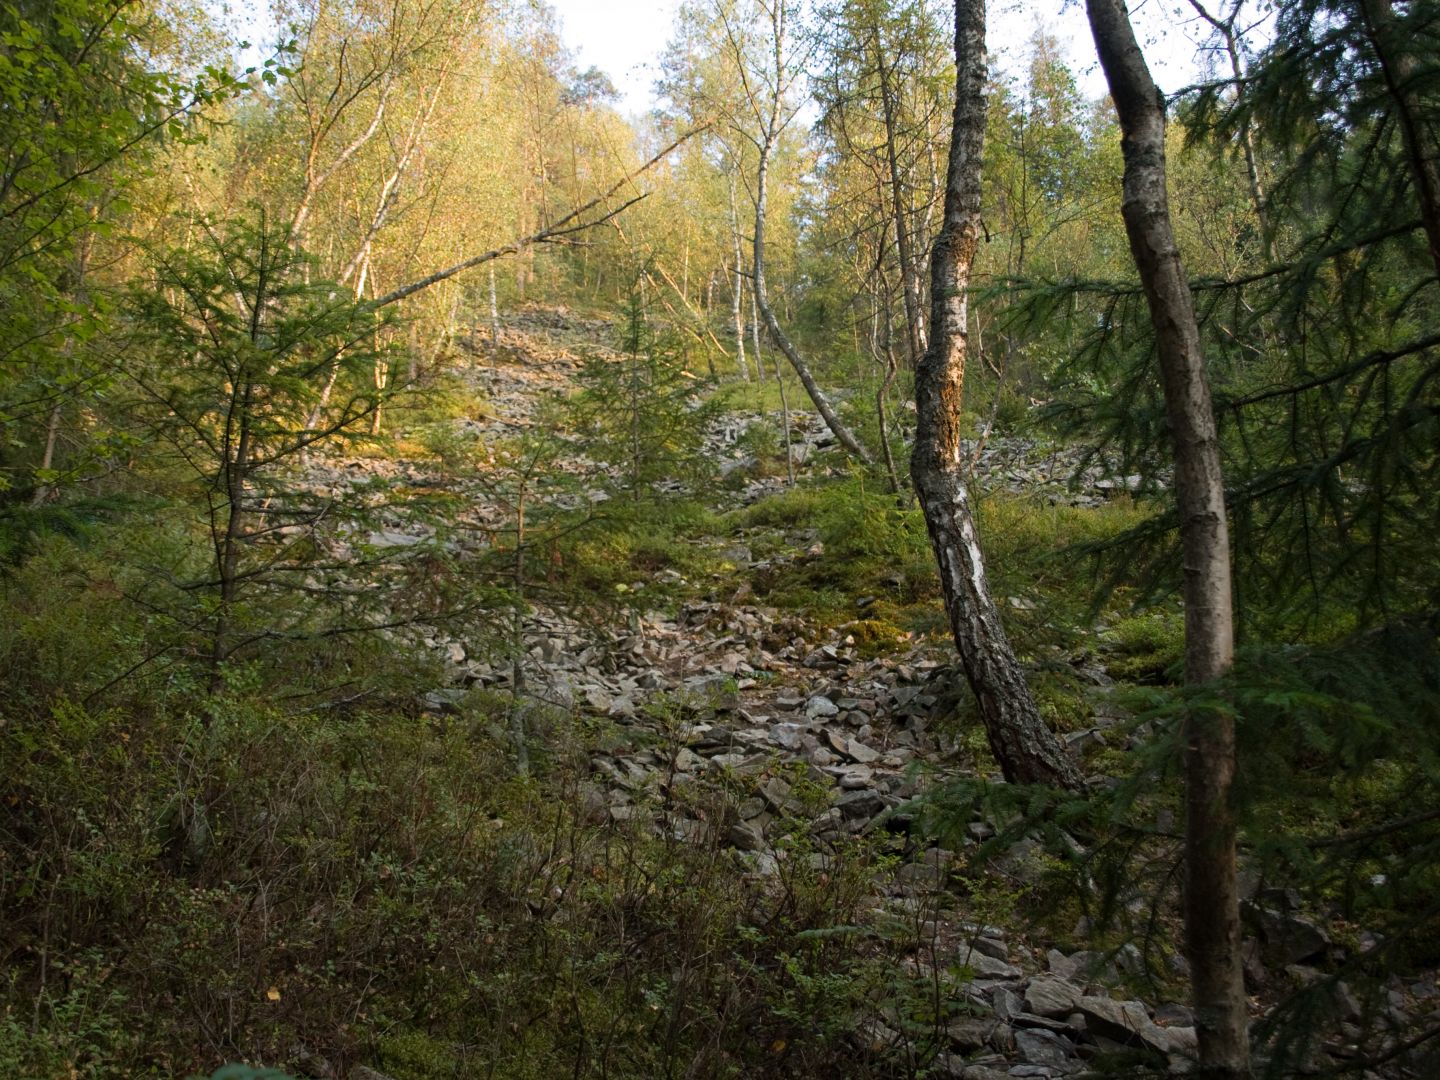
81	294
766	145
228	542
780	383
47	459
737	310
517	642
909	270
1226	29
1027	751
315	181
494	313
772	324
685	271
312	421
887	360
382	379
1212	913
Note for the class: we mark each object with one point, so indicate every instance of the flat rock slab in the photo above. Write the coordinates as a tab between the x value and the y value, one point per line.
987	967
1051	996
1125	1022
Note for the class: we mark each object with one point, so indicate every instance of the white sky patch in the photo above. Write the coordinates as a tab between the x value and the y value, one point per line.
1171	36
625	39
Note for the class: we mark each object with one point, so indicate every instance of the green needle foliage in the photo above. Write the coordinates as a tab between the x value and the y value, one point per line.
643	413
242	363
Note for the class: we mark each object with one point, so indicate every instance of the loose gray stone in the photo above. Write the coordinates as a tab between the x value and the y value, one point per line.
388	539
1006	1002
971	1033
750	808
991	947
1173	1014
1030	1020
1289	939
444	700
746	837
919	877
1051	996
1125	1022
875	1037
858	751
776	793
820	707
1040	1047
860	804
987	967
1182	1040
787	736
687	761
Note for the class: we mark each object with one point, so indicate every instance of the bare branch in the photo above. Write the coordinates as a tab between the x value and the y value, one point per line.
563	227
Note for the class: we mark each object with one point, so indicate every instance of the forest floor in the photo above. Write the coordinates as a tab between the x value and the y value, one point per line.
762	698
677	779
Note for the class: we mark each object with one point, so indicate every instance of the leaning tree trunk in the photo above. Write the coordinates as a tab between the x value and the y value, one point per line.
777	333
782	340
1212	913
1028	752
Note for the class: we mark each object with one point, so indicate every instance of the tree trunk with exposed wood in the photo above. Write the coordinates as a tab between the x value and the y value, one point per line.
1028	752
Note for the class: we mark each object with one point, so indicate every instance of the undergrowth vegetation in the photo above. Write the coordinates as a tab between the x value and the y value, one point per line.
315	863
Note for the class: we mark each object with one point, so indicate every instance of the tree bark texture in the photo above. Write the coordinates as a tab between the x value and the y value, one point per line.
1027	751
1212	920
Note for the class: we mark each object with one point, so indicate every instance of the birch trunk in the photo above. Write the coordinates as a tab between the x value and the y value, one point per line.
494	313
765	145
779	382
737	311
778	335
1027	751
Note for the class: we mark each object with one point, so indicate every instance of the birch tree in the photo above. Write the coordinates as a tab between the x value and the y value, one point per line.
1028	752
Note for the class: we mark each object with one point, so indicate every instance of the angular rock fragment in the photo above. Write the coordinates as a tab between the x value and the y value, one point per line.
819	707
1126	1022
1049	995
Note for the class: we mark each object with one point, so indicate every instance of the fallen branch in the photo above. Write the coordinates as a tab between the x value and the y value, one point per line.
566	226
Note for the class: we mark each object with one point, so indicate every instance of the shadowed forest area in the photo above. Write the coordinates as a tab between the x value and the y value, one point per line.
883	566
